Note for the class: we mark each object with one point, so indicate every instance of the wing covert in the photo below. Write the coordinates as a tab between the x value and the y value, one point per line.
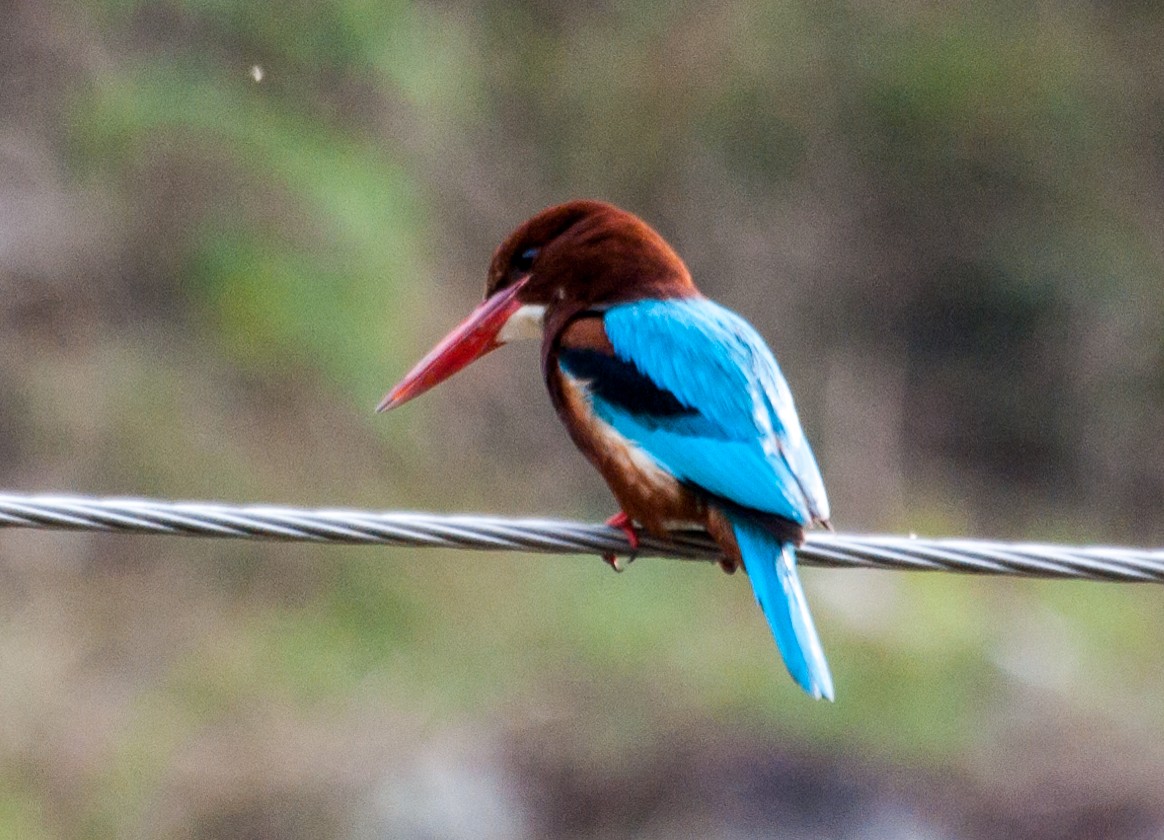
717	412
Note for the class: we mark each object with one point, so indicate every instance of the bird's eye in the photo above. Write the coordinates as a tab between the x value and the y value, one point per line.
524	261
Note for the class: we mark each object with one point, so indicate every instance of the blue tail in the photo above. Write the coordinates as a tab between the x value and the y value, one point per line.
771	566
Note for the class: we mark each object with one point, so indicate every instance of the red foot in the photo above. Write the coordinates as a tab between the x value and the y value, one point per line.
623	522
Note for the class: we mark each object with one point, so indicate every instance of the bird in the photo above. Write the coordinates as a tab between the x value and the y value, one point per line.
676	400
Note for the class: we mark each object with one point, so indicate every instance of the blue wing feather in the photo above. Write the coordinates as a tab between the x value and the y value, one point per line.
695	387
748	446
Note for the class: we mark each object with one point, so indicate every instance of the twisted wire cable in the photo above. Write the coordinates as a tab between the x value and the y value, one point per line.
556	536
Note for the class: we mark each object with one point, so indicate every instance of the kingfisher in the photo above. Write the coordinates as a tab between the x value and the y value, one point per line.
676	401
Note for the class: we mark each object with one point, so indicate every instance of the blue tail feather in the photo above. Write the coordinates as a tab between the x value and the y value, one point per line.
771	567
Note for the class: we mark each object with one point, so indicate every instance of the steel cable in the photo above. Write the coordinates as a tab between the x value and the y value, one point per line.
554	536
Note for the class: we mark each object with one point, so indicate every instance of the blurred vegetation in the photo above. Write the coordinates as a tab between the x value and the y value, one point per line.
946	220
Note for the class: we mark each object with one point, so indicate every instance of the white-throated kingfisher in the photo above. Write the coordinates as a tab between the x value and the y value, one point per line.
677	402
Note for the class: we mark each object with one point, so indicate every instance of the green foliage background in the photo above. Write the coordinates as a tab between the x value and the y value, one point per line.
946	220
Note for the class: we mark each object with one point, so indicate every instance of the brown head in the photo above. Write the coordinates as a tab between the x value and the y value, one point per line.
588	252
567	259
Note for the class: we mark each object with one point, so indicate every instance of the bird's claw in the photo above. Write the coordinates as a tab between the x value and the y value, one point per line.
623	522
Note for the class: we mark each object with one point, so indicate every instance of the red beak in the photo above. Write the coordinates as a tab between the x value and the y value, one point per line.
472	339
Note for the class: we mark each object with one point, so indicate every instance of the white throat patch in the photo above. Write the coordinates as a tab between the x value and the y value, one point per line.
526	322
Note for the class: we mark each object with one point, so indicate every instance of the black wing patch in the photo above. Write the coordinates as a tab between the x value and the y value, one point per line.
622	385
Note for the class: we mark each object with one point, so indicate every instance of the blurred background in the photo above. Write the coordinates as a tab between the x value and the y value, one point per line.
226	228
